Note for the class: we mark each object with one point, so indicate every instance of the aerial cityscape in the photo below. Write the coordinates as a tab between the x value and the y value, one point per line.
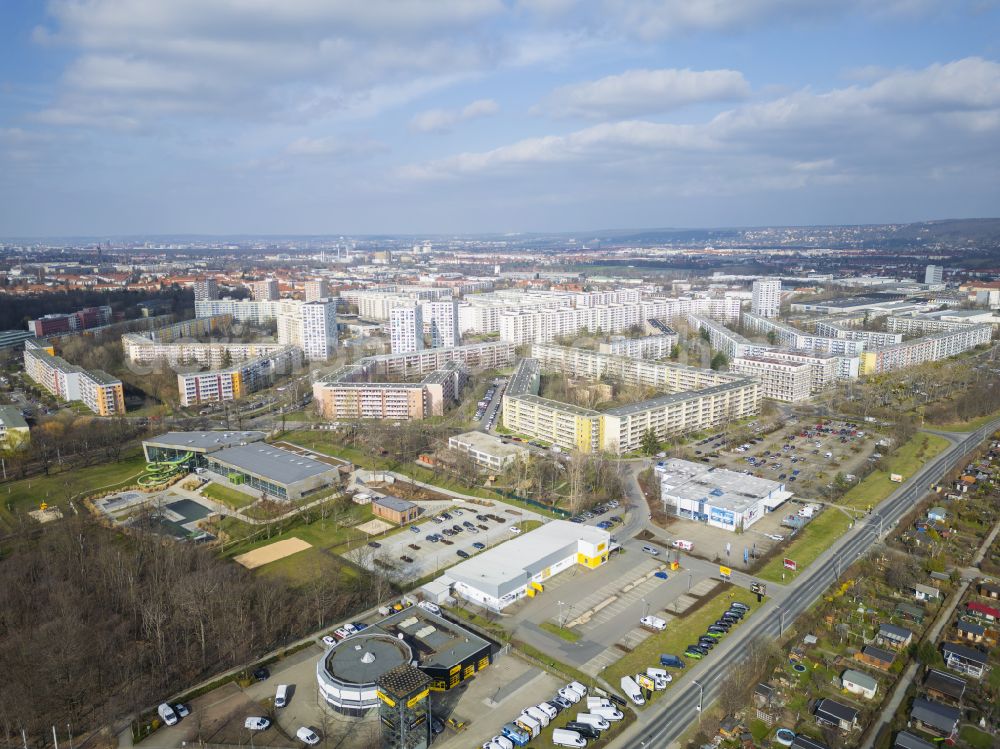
481	373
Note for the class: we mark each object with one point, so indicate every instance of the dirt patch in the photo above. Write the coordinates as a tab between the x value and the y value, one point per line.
410	492
375	527
272	552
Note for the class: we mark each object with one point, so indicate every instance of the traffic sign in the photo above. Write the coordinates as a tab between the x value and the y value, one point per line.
725	571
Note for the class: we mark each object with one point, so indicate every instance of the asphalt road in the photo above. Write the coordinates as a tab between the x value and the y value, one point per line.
680	709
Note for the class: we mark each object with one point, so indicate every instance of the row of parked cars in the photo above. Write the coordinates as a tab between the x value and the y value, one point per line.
597	511
600	713
729	619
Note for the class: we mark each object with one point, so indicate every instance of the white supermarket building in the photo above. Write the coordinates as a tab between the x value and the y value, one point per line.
518	569
723	499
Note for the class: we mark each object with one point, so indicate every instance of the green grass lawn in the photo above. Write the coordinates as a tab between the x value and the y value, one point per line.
809	543
566	634
680	632
60	486
905	461
232	498
976	738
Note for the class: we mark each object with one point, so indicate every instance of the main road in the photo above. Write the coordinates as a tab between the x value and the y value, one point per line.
681	707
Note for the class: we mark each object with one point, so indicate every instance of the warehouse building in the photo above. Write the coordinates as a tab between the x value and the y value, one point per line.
445	651
518	569
724	499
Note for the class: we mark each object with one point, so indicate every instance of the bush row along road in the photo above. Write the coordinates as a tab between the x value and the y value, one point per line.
680	709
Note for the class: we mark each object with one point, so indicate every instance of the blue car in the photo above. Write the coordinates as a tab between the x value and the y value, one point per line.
604	524
662	575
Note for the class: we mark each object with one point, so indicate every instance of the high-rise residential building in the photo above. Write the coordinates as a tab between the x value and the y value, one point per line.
766	300
206	289
442	319
319	329
316	290
934	274
406	328
266	290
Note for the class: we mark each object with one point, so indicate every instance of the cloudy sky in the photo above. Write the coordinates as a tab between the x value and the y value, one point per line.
370	116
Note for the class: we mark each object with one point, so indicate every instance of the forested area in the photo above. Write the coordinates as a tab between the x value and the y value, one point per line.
95	624
15	311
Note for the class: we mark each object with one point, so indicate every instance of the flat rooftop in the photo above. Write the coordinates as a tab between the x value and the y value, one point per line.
490	445
272	463
525	378
363	658
435	641
11	418
203	441
508	566
719	487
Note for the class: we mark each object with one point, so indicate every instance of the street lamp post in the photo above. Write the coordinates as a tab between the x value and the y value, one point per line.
701	694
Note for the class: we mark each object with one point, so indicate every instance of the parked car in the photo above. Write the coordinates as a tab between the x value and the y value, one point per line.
462	553
479	545
167	714
261	673
256	723
329	641
375	544
181	710
651	551
307	736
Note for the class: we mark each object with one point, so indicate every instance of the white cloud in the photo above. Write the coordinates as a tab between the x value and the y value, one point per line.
444	120
332	147
654	19
906	123
638	92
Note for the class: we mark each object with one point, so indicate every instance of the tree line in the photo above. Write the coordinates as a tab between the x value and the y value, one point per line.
96	625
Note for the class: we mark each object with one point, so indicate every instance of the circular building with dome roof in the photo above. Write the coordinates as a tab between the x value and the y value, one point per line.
348	671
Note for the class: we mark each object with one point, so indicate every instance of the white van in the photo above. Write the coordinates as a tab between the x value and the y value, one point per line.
570	694
596	721
654	623
593	702
578	688
607	712
167	714
563	737
529	724
659	676
548	709
256	724
537	714
281	696
680	543
632	691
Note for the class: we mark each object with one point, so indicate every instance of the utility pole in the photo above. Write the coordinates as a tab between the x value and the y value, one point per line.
701	694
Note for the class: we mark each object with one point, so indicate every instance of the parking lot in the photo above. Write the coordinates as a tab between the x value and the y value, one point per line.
411	554
487	408
805	455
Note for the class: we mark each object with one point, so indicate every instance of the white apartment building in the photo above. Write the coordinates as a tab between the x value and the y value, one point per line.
440	319
312	326
265	291
930	348
648	347
824	369
487	355
933	274
871	338
406	329
721	338
238	380
779	380
798	339
766	297
318	321
214	354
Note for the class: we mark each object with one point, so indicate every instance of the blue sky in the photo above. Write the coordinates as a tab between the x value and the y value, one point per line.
438	116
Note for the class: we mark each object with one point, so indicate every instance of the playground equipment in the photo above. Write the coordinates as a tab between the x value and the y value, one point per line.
160	471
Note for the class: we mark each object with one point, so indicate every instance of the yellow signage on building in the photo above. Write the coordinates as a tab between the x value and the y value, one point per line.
725	571
418	698
385	698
